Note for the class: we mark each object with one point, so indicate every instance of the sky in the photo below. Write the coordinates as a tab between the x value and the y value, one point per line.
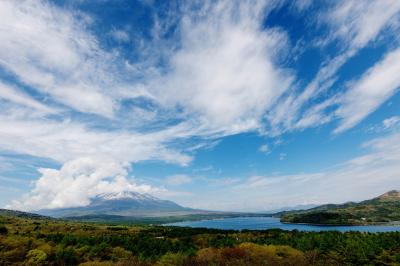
219	105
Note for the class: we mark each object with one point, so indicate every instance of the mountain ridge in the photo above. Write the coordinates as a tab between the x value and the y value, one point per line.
384	208
125	203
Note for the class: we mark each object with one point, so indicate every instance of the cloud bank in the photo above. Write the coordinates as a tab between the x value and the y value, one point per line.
77	182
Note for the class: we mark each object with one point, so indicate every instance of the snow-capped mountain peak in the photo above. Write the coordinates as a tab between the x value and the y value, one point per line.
126	195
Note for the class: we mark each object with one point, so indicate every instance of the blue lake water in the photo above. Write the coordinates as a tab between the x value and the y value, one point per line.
261	223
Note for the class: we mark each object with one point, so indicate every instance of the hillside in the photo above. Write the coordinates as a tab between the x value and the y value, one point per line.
21	214
382	209
42	241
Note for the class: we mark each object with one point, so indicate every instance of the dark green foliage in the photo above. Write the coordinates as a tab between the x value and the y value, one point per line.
66	256
323	218
3	230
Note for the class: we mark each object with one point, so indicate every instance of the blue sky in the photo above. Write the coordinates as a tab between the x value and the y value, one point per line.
223	105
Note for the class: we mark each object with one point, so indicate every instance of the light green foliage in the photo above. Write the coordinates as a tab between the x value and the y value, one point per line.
119	253
172	259
36	257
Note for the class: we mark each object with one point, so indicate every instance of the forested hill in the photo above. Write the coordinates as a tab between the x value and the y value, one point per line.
14	213
26	241
382	209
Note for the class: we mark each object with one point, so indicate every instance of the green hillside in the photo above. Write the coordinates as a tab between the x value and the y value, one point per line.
32	240
382	209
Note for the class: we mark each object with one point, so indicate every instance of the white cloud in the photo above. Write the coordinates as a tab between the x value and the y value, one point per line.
370	91
391	122
302	5
224	74
77	182
177	180
64	141
11	94
120	35
48	48
264	148
354	24
358	22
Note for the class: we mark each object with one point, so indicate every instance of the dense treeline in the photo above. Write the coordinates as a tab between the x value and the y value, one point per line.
25	241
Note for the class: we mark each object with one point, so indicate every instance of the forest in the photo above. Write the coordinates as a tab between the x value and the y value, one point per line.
46	241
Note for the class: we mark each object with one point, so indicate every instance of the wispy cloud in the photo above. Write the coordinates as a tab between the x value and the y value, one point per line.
10	94
370	91
177	180
64	141
352	25
49	49
362	177
359	22
264	149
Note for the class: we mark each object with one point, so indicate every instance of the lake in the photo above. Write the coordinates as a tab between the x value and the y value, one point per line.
261	223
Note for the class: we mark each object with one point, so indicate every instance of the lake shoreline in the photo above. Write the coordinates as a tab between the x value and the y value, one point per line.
394	223
265	223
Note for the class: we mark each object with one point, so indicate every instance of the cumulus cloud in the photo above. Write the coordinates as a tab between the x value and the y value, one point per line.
77	182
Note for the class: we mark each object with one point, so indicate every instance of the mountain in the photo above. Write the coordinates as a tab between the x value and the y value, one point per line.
382	209
299	207
122	204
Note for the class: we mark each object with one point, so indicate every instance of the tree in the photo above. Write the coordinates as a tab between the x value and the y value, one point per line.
3	230
36	257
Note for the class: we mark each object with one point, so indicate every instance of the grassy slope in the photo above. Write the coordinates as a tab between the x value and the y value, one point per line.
383	209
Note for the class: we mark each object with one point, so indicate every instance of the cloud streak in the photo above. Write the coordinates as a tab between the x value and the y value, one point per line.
366	94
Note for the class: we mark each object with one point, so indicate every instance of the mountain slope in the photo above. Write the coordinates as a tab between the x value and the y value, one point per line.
21	214
382	209
123	204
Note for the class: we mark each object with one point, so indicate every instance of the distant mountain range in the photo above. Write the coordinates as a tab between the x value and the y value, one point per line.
145	208
382	209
